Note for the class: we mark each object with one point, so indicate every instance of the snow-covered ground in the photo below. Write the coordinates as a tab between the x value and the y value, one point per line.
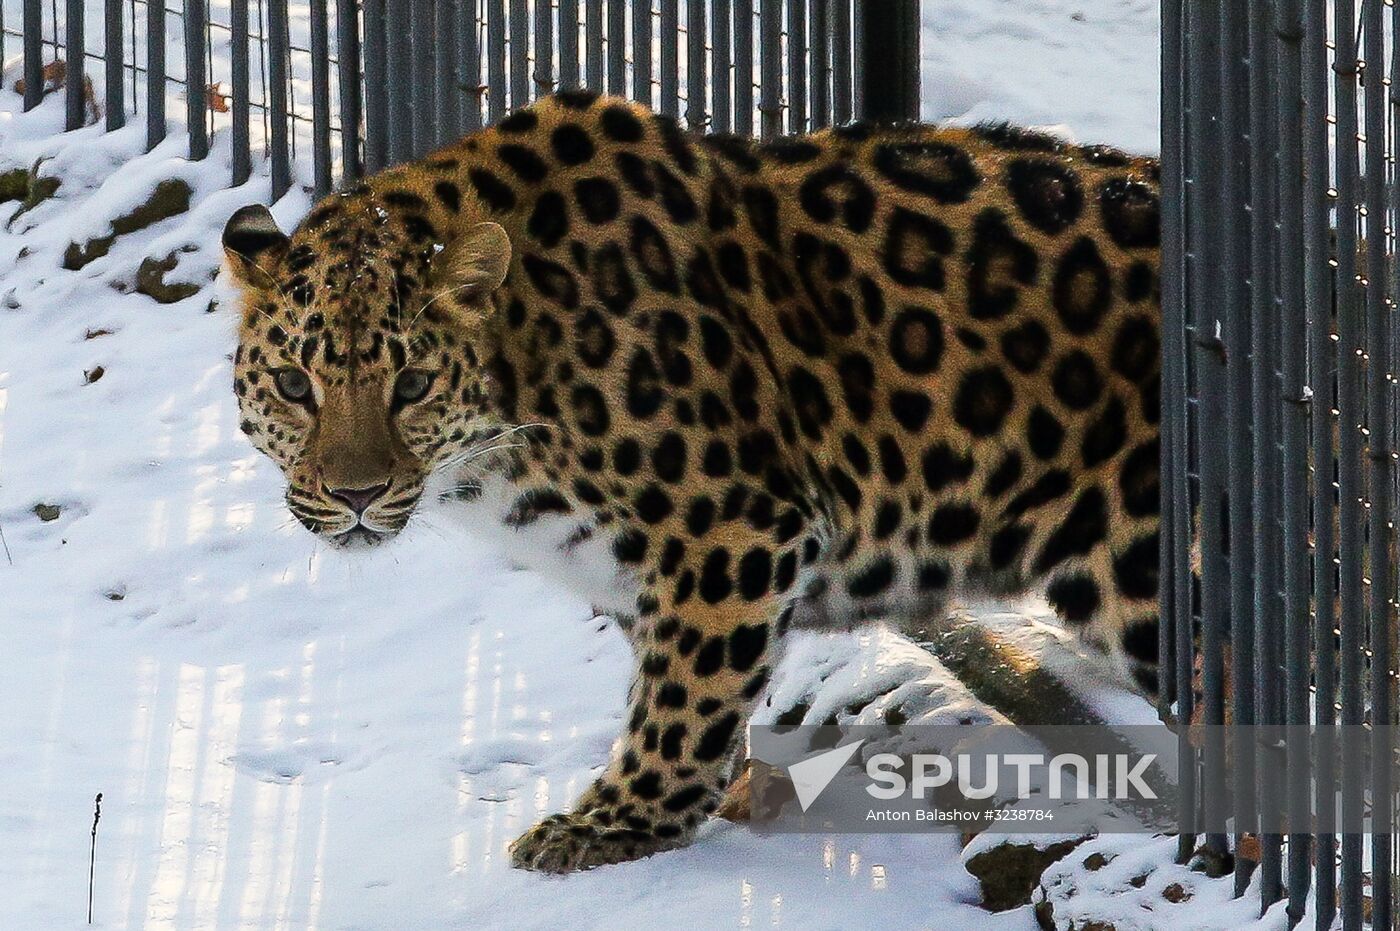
289	737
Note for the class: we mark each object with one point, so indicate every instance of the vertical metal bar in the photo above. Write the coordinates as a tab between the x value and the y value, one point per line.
1378	536
398	79
1350	519
723	105
495	59
1181	118
857	44
593	75
544	47
33	27
1205	220
470	43
821	63
75	107
347	26
1322	366
670	65
519	53
797	66
743	67
889	55
841	60
321	97
277	95
695	78
155	71
641	51
1173	381
770	68
1239	407
238	52
1286	240
448	97
376	88
617	47
112	57
421	73
196	79
568	44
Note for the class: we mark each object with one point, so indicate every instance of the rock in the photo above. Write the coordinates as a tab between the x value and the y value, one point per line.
47	512
170	198
150	280
1009	872
28	187
1176	893
93	374
14	184
1095	861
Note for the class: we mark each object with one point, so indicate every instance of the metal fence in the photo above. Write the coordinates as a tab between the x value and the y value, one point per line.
368	84
1280	138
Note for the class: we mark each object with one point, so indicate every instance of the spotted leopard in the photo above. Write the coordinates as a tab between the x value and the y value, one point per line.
827	378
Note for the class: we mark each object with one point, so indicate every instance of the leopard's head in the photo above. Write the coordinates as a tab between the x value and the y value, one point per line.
361	362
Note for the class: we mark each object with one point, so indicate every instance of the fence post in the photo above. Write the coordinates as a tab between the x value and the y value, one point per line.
617	46
670	57
74	47
347	25
641	51
277	93
797	65
695	116
398	45
376	88
743	67
155	73
889	55
722	105
1322	366
321	96
196	82
238	49
568	44
770	68
116	105
422	74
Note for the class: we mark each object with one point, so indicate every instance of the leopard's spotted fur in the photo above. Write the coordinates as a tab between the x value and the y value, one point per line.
844	376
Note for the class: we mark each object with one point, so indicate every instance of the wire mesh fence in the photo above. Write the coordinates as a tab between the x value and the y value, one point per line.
363	85
1280	138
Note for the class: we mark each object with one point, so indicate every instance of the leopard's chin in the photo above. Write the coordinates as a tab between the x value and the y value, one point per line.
361	537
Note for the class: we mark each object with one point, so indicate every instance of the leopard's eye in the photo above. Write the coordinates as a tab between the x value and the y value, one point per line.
293	384
412	385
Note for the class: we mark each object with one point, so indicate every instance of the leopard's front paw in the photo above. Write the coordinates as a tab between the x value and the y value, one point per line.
568	842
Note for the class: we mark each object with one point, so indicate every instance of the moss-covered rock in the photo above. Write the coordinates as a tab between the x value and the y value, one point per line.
170	198
28	187
1009	872
151	280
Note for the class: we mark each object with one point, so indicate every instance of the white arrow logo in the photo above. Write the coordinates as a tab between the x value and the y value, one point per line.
813	775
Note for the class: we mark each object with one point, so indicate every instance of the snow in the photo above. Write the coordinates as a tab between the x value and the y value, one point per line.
287	736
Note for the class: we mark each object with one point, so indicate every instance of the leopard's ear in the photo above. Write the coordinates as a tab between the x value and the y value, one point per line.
474	264
253	244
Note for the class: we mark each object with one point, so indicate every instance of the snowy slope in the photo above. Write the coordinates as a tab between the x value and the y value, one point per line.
287	737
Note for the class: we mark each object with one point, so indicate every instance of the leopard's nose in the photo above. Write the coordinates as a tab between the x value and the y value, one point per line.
358	499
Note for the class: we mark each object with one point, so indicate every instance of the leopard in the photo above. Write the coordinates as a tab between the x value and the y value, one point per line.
822	379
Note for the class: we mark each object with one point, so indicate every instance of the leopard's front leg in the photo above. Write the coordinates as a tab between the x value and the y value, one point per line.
707	636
